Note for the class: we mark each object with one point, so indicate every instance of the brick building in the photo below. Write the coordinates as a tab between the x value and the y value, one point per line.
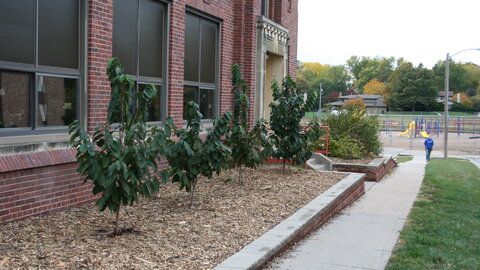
53	57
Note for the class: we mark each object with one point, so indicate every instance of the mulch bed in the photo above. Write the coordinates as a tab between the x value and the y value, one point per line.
165	232
352	161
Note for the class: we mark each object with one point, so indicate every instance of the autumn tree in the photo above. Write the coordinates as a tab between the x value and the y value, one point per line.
354	104
464	99
375	87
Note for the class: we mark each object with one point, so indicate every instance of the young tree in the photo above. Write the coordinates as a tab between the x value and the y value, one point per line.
288	109
122	154
189	156
250	148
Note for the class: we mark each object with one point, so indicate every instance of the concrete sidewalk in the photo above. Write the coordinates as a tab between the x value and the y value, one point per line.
364	235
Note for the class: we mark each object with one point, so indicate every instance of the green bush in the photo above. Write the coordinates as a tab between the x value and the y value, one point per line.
353	126
345	147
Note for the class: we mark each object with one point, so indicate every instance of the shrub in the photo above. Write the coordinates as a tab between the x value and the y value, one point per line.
345	147
353	126
119	158
288	109
354	104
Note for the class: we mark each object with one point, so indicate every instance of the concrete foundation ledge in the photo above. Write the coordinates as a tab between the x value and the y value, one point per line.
298	225
375	170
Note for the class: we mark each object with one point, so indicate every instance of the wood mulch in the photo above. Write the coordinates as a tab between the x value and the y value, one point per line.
165	233
352	161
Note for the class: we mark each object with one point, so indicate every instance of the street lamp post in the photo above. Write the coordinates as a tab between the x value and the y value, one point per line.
445	117
320	101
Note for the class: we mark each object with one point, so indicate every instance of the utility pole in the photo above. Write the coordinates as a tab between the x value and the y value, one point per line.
445	111
445	119
320	101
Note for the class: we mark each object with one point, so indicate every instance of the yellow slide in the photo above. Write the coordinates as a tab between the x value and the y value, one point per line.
424	134
411	126
404	133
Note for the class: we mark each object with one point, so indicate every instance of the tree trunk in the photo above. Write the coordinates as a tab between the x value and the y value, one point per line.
192	195
283	168
117	220
240	175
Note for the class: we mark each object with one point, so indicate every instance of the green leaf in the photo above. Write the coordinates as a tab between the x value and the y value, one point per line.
101	203
116	195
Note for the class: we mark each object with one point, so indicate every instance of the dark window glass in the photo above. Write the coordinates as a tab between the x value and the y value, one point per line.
125	32
192	48
207	69
17	23
189	94
151	38
154	108
14	99
58	33
206	103
56	101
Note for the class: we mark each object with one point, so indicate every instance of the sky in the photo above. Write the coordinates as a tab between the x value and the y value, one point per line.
420	31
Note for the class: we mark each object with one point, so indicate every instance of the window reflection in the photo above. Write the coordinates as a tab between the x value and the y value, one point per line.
14	99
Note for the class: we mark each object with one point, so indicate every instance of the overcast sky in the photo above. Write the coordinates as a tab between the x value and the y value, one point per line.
421	31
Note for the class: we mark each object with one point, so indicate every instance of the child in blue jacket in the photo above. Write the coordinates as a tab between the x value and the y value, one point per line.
428	147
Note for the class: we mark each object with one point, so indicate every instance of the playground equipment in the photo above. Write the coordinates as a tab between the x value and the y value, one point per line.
412	131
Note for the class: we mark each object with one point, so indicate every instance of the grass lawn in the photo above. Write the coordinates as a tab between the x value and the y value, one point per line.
443	230
401	159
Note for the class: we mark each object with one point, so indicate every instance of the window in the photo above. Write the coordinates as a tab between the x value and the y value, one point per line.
139	39
201	58
265	7
39	65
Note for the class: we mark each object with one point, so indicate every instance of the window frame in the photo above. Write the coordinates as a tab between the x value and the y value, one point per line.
202	85
157	81
35	70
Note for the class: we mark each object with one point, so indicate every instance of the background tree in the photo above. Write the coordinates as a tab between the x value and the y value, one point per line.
250	148
376	87
365	69
332	78
473	76
410	87
121	160
464	99
288	109
457	75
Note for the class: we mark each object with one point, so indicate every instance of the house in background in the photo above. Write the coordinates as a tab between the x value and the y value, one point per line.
441	98
53	57
374	103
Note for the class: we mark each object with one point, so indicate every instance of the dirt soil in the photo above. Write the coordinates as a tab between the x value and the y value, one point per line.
458	144
165	232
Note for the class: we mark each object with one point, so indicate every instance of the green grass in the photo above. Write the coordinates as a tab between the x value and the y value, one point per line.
443	231
401	159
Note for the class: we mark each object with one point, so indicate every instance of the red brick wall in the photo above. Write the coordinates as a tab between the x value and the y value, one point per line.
40	183
100	29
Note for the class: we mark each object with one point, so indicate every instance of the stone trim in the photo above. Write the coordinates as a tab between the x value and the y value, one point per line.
298	225
375	170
